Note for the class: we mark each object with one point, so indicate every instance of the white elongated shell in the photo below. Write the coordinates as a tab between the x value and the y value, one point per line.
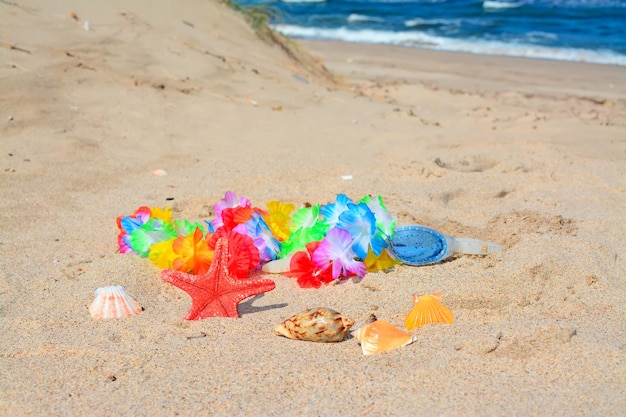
380	336
113	302
278	266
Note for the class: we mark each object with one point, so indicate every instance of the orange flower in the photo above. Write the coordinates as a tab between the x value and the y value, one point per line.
194	255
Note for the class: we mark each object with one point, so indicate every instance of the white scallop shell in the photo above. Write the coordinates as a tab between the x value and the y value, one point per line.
113	302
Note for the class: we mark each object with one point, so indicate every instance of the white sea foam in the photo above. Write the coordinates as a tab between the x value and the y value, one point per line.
579	3
540	36
356	18
491	4
418	21
412	1
347	35
424	40
303	1
450	23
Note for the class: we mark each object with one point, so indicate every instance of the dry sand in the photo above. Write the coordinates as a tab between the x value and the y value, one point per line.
526	153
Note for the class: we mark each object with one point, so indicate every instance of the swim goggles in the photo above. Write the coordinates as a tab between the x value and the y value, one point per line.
420	245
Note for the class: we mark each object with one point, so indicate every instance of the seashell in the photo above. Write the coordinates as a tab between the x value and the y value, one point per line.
277	266
319	324
428	309
113	302
381	336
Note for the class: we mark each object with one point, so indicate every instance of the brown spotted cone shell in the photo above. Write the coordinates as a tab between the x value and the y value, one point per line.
319	324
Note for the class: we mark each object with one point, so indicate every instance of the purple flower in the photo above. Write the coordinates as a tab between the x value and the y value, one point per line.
336	251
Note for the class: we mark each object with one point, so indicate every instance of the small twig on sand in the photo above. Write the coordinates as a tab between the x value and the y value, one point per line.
202	51
202	334
13	47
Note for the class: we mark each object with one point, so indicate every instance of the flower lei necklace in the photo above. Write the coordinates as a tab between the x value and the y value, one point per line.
321	243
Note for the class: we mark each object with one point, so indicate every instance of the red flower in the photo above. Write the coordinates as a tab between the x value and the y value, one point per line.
302	268
231	217
242	254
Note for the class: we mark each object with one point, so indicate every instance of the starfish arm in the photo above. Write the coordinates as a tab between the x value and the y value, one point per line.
240	290
182	280
200	297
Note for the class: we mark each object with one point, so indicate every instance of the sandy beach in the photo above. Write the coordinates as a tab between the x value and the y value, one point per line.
526	153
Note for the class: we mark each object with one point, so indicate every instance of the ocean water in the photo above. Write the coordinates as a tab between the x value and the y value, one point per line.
572	30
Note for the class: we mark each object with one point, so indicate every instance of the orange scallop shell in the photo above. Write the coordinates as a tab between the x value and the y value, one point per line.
428	309
380	336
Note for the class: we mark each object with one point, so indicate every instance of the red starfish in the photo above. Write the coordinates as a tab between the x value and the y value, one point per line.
216	292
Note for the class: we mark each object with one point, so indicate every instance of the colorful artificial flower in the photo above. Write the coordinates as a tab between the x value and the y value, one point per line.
233	216
230	200
193	255
306	217
244	256
162	254
335	250
307	227
331	212
185	227
385	222
360	222
126	225
383	261
278	219
161	214
149	233
307	273
264	240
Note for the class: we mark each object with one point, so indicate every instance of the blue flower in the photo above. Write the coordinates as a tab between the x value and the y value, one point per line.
262	236
360	222
331	212
385	222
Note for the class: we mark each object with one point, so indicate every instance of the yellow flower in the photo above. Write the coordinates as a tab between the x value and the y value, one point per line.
278	219
161	214
162	254
375	263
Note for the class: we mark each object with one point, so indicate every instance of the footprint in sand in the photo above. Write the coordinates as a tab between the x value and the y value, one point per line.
474	163
448	196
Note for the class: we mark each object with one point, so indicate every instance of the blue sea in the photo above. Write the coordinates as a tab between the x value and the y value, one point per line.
570	30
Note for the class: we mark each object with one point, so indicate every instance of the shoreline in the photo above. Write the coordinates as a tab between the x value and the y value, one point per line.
451	69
